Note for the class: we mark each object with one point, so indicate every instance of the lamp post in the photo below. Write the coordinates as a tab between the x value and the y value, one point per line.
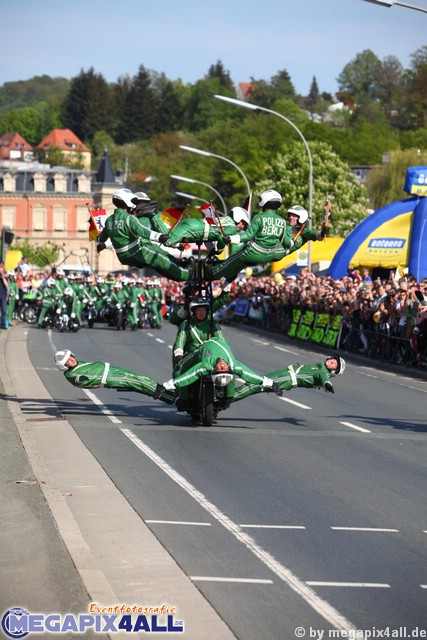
192	181
208	154
390	3
188	196
255	107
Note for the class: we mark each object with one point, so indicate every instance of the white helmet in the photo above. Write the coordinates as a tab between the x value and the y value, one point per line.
131	281
123	197
100	280
51	282
11	273
117	285
140	196
300	212
60	358
221	378
60	272
68	291
270	196
341	365
239	214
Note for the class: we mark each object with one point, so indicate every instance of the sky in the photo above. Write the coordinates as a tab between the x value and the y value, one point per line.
183	38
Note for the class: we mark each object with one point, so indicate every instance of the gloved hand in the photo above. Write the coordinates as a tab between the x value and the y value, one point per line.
328	387
178	359
324	231
100	246
226	239
277	390
158	392
163	238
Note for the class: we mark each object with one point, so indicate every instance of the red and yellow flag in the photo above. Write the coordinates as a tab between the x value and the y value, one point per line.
96	222
170	216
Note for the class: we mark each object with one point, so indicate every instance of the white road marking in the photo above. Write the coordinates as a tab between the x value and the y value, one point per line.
271	526
326	610
105	410
191	524
260	342
354	426
369	585
150	334
294	353
423	586
160	340
297	404
369	529
241	580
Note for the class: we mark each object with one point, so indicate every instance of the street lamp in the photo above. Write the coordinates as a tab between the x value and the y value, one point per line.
255	107
181	194
192	181
390	3
208	154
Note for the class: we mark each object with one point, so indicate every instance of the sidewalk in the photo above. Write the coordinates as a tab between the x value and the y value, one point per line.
58	555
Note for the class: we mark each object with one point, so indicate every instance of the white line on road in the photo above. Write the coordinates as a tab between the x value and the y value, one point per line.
326	610
191	524
271	526
369	529
294	353
241	580
423	586
260	341
369	585
105	410
297	404
354	426
160	340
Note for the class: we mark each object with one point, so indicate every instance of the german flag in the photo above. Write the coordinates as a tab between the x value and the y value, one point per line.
93	229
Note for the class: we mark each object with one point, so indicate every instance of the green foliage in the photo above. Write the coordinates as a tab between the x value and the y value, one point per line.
28	93
385	183
40	256
289	174
27	121
88	105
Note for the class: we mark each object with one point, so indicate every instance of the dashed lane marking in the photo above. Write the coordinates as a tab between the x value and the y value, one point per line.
238	580
369	585
182	522
297	404
355	426
367	529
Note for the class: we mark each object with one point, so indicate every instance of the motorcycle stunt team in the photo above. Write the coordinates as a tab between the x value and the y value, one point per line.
137	231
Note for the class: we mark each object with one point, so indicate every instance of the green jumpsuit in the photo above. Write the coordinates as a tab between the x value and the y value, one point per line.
89	375
13	298
50	295
202	362
133	245
267	239
295	375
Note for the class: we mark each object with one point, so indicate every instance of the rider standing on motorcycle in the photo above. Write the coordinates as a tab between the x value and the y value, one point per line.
309	376
89	375
195	330
76	284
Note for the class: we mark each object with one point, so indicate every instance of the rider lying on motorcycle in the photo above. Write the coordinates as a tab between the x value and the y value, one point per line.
90	375
213	358
310	376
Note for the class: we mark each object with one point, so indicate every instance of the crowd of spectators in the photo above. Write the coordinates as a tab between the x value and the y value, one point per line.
385	319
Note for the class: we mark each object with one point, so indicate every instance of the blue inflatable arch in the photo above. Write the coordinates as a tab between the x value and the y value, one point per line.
417	255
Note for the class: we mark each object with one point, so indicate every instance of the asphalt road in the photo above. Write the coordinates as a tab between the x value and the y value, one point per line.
307	511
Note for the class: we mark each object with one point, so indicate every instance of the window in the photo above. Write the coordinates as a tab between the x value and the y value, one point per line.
82	219
39	218
59	219
8	216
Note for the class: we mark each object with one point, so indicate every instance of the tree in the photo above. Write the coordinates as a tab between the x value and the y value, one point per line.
288	173
385	183
417	89
45	255
27	121
88	105
218	71
359	78
139	114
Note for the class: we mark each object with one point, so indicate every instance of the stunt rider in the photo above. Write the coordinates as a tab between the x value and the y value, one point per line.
309	376
90	375
133	241
265	240
213	357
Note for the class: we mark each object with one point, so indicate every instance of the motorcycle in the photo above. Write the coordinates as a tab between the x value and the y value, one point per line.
206	399
63	321
90	312
29	309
